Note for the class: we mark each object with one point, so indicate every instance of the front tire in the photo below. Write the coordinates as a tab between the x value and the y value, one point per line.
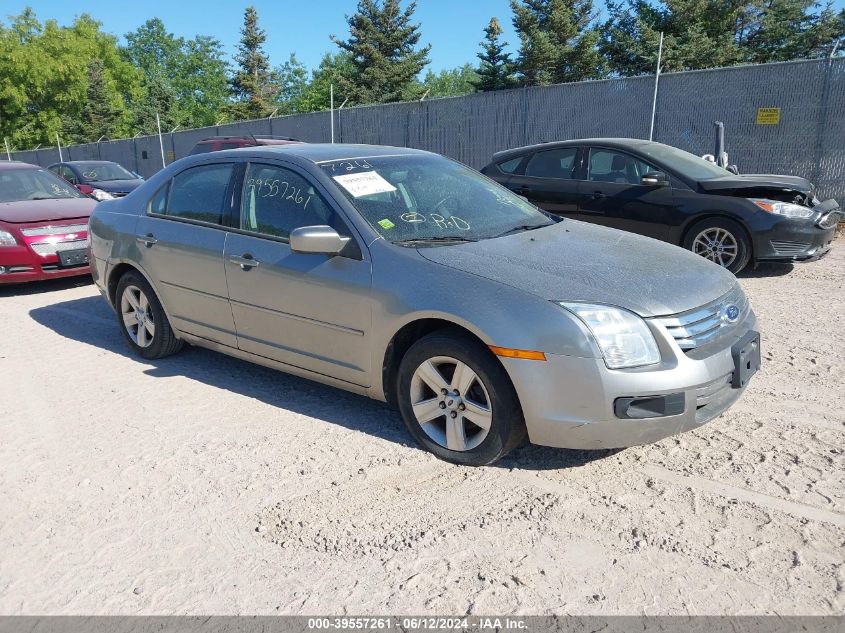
722	241
142	319
457	400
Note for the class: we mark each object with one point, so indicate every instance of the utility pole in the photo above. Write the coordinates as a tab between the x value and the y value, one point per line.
8	153
656	81
331	108
59	145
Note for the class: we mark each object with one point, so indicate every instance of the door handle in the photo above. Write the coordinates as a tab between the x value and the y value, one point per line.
598	195
147	240
245	261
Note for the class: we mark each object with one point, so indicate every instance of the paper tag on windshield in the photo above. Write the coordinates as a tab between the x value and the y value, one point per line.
364	184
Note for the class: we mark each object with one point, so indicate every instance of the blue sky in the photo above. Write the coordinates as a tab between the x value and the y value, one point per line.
453	27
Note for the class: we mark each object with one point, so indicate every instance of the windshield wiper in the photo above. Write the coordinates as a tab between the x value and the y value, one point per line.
437	238
520	228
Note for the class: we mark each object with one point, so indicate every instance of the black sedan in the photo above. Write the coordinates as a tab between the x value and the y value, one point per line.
672	195
101	179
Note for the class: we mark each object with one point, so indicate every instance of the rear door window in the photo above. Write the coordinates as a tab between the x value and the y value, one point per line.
199	193
553	163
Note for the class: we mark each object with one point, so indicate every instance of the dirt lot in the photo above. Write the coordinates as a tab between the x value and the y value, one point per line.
201	484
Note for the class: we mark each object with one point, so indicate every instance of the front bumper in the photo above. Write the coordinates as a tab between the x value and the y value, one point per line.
793	240
568	401
19	265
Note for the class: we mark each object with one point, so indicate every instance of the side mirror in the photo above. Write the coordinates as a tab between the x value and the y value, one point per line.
317	239
655	179
733	169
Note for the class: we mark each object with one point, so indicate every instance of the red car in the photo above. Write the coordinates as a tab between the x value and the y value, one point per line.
43	225
217	143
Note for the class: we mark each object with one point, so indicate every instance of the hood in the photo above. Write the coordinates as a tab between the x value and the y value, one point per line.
756	181
119	186
25	211
576	261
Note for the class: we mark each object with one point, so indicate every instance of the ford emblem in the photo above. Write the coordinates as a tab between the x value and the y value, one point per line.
731	313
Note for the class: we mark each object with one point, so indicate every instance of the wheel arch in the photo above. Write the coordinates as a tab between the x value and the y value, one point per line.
402	341
718	215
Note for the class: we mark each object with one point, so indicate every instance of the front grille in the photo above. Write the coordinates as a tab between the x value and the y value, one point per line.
830	220
48	248
784	247
696	327
56	230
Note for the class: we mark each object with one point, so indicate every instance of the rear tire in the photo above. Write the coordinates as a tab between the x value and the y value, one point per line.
720	240
457	400
142	319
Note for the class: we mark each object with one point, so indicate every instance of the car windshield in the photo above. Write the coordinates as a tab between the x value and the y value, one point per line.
101	172
689	165
33	184
421	198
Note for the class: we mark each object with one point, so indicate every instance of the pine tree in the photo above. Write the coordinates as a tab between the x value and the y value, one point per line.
99	115
697	34
253	83
496	69
159	99
382	47
558	41
781	30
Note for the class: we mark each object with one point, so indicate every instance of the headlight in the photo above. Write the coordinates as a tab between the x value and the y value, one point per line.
623	337
101	195
783	208
7	239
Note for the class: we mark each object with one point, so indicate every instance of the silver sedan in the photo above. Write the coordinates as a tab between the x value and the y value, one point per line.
407	277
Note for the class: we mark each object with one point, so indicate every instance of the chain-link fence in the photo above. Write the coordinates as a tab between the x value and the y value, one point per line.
779	118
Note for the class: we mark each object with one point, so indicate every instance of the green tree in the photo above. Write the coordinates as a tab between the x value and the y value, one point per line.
253	83
782	30
159	99
558	41
101	113
195	70
293	81
697	34
496	69
708	34
451	82
44	78
382	48
333	70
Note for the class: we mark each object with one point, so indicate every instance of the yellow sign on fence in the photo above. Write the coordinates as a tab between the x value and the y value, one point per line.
768	116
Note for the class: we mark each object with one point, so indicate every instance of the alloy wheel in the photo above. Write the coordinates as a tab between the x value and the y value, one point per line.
718	245
137	316
451	403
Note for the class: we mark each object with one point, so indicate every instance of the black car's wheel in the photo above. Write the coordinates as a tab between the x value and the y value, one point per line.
457	400
142	319
720	240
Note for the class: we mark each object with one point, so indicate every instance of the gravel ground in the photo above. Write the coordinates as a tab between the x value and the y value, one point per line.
200	484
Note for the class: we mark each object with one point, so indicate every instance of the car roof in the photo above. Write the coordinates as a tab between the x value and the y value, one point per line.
86	162
16	164
621	143
323	152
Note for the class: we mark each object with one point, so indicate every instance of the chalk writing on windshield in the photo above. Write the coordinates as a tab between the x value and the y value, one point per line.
340	166
453	222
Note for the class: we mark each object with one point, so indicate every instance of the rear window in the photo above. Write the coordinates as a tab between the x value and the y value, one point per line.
199	193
